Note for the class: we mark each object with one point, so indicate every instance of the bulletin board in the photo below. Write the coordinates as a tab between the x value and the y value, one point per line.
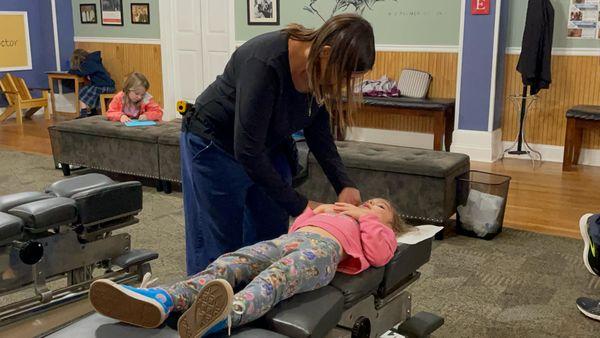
584	19
15	50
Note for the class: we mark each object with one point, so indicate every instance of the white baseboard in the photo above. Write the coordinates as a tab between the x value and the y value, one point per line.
552	153
391	137
481	146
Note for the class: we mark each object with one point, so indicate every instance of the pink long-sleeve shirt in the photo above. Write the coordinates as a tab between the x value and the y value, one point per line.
148	107
367	242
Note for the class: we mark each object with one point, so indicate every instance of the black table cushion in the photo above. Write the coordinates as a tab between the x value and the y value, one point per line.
585	112
41	215
356	288
406	261
13	200
309	314
10	226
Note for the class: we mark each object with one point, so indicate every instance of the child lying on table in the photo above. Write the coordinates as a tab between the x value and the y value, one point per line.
332	237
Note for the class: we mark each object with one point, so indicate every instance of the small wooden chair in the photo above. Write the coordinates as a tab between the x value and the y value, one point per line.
105	102
19	97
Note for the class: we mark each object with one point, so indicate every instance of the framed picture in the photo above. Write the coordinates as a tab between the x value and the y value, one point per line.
112	12
263	12
140	13
87	13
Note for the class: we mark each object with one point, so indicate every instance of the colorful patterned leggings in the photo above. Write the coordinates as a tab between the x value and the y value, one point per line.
274	270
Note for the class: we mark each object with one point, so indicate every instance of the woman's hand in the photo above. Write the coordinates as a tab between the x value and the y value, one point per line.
324	208
142	117
124	118
350	195
313	205
350	210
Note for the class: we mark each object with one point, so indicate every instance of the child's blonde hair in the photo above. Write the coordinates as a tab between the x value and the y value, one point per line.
133	81
398	224
77	58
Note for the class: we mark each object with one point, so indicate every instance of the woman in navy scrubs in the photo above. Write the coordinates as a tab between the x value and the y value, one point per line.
234	148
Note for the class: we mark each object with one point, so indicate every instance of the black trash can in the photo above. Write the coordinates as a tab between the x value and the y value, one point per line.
481	198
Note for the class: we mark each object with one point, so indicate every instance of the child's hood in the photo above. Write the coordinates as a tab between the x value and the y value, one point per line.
94	57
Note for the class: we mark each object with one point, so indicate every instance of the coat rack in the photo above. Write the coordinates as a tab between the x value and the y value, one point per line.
523	103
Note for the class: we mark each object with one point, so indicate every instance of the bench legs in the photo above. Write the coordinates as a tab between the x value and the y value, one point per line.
164	186
573	141
443	127
65	169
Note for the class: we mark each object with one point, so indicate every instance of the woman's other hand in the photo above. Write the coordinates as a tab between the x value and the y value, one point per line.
350	196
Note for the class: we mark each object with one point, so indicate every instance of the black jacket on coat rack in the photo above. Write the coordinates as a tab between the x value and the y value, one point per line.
536	50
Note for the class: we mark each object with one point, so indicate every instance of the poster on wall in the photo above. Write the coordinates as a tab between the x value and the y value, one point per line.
112	12
15	51
584	19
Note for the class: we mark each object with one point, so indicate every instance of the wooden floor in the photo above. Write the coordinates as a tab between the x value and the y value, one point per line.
543	200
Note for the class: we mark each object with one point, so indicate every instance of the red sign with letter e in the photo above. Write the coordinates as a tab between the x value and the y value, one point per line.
480	7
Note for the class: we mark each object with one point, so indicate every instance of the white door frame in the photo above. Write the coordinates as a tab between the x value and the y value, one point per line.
166	50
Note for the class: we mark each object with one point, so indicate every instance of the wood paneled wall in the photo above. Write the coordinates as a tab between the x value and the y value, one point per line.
121	59
575	81
442	66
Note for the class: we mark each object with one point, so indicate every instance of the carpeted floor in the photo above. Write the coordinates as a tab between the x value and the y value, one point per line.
518	285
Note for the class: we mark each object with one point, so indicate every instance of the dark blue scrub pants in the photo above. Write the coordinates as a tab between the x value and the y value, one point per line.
224	210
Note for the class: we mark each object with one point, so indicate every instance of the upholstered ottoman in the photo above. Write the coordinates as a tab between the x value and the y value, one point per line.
97	143
420	183
168	152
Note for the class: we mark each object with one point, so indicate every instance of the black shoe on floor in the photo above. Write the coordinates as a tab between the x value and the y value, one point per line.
589	307
588	225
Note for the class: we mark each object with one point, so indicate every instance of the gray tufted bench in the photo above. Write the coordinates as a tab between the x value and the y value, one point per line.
578	119
420	183
97	143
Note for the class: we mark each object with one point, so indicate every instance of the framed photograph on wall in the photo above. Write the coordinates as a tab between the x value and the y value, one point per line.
87	13
140	13
263	12
112	12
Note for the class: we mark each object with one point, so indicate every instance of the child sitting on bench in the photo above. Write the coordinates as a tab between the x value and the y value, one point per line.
134	101
332	237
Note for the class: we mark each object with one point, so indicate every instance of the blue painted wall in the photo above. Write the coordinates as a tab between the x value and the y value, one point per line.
41	37
478	43
64	19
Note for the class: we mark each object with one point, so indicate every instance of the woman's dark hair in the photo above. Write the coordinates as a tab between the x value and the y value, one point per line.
352	53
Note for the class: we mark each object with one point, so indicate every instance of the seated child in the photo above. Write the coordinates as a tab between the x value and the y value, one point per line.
89	65
340	237
134	102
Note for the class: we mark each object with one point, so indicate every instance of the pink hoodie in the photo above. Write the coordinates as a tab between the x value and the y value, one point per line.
367	242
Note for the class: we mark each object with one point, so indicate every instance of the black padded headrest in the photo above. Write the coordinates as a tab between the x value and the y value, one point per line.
109	202
73	185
